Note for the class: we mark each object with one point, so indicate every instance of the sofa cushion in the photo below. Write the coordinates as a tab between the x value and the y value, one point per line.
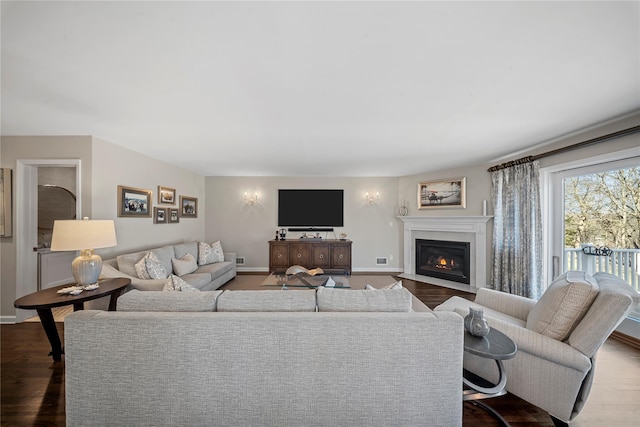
126	262
168	301
141	268
390	300
185	265
175	283
155	268
275	300
216	269
197	280
181	249
208	254
563	305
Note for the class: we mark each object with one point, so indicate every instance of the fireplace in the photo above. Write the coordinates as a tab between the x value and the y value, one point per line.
443	259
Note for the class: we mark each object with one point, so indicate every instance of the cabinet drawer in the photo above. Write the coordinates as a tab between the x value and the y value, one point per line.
320	256
299	255
279	255
341	256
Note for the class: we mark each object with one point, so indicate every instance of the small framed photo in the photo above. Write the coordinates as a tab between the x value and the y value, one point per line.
188	207
134	202
174	215
166	195
159	215
449	193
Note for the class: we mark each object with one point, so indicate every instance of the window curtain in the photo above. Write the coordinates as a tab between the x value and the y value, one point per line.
517	230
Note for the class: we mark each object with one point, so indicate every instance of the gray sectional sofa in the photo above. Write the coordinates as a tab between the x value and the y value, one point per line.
205	278
264	358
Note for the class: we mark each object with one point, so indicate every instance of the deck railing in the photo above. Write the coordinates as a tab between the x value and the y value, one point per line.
624	263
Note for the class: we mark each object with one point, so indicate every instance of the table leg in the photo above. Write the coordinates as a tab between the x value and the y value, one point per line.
49	325
114	300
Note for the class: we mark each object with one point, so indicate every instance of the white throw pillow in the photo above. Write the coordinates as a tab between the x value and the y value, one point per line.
141	268
174	283
155	268
396	285
563	305
185	265
208	254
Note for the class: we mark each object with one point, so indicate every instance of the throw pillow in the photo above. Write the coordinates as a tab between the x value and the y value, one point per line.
563	305
185	265
155	268
208	254
396	285
174	283
141	268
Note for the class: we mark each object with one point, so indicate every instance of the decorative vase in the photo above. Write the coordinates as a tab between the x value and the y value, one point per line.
475	323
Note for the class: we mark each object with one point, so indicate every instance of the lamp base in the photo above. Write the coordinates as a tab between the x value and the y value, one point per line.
86	268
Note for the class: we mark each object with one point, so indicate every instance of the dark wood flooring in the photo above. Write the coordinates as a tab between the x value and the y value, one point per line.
33	392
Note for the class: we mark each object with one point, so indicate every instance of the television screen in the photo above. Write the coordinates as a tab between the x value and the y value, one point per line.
310	208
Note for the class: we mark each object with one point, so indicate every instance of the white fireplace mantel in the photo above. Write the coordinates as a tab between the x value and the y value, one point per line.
456	228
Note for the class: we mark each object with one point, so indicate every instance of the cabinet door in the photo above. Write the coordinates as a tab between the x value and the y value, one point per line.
341	256
320	256
279	255
299	254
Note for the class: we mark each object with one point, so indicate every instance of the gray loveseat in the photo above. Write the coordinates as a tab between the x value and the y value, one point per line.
207	277
263	358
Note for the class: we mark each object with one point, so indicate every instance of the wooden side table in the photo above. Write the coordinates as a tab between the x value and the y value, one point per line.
43	301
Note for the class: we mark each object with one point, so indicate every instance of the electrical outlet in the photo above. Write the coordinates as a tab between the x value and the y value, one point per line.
391	257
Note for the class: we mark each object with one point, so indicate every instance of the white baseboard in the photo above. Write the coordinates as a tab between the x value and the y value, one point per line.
7	320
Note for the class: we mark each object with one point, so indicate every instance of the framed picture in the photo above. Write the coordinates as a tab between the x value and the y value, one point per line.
166	195
159	215
174	215
134	202
188	207
448	193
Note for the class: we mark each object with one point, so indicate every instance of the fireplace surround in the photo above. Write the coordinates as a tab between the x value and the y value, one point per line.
471	229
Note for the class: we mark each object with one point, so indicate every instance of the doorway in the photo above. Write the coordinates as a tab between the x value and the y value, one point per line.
26	221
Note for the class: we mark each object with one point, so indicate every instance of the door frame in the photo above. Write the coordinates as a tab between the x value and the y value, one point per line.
26	222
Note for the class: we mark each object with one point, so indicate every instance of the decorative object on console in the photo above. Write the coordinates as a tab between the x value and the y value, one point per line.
166	195
283	233
159	215
188	207
343	236
85	236
134	202
449	193
475	323
251	200
370	199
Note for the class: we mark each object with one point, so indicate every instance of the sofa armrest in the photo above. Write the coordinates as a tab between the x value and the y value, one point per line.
230	257
540	345
513	305
109	272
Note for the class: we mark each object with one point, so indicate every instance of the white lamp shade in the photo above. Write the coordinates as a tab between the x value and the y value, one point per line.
74	235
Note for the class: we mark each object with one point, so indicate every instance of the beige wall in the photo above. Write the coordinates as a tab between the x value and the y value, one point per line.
246	229
104	167
13	148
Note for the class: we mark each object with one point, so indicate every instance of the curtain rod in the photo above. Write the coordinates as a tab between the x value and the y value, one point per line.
582	144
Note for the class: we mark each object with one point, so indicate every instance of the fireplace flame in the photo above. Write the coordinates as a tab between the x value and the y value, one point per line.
444	264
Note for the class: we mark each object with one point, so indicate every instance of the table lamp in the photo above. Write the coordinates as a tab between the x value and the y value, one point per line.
85	236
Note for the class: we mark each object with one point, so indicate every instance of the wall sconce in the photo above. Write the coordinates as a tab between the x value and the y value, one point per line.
251	200
371	199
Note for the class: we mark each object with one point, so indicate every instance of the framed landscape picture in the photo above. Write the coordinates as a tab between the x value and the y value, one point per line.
134	202
174	215
188	207
159	215
450	193
166	195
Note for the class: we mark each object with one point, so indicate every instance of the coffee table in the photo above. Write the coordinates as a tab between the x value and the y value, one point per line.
497	346
43	301
304	281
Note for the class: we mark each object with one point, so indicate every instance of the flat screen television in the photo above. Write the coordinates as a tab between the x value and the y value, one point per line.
310	208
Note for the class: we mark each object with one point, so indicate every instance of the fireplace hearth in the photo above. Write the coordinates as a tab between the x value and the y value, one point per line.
443	259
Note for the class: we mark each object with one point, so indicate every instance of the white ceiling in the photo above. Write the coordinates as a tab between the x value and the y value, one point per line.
318	88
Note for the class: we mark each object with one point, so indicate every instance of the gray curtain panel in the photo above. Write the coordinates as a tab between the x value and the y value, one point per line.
517	231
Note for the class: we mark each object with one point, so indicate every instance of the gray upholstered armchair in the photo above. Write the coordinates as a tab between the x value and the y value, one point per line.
557	337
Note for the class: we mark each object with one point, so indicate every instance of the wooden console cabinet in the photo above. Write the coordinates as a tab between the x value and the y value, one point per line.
333	256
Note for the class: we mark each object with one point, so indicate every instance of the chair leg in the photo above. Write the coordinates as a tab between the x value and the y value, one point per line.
558	423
